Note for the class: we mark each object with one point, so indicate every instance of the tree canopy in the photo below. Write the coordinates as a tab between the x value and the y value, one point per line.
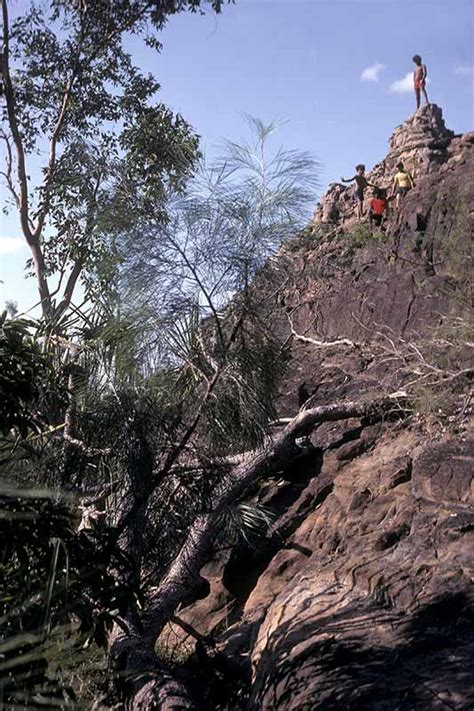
73	93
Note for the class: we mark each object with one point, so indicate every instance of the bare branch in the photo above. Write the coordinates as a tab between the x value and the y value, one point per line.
89	451
8	173
319	343
32	241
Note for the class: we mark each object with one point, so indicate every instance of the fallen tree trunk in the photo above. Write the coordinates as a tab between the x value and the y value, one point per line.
141	678
275	455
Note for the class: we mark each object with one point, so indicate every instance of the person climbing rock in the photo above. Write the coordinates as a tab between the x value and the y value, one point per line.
377	208
419	80
402	183
361	184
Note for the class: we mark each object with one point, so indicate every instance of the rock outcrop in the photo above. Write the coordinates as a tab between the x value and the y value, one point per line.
428	150
361	594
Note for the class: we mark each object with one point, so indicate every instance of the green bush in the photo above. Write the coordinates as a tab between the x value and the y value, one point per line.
27	380
361	234
58	595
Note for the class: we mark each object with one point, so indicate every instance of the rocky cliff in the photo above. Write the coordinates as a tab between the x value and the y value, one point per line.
360	594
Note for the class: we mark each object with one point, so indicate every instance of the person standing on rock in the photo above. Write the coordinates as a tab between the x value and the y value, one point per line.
419	80
361	184
402	183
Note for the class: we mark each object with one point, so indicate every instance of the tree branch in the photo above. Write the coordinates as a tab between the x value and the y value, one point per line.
274	456
32	241
319	343
176	451
8	173
79	262
200	283
88	451
69	289
46	187
151	681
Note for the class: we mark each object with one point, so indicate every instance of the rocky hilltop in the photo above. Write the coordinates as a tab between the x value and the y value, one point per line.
360	595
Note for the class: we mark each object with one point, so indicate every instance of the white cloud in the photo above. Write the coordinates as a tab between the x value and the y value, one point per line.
402	86
464	70
405	85
373	72
9	245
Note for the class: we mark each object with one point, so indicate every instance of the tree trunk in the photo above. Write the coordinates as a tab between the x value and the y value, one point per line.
152	686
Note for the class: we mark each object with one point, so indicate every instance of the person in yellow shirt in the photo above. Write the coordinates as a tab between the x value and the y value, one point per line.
402	183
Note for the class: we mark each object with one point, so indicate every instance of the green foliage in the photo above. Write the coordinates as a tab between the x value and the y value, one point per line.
310	236
246	524
435	369
174	368
115	149
28	385
57	591
439	401
179	278
456	251
102	14
82	42
237	417
361	235
160	151
219	234
265	193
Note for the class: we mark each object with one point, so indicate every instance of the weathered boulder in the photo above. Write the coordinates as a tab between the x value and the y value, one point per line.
377	614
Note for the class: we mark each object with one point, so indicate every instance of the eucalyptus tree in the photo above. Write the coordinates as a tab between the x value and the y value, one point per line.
86	142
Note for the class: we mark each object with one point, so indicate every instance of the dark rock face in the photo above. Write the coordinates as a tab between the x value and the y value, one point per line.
378	615
361	594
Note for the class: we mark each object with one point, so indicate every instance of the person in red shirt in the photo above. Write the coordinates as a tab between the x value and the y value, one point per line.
378	206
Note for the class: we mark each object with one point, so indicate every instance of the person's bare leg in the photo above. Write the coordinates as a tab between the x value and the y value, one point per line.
426	96
417	95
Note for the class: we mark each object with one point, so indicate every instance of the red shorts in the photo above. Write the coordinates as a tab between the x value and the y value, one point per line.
419	84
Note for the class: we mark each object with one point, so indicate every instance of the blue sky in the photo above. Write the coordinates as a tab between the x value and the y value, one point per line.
301	62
